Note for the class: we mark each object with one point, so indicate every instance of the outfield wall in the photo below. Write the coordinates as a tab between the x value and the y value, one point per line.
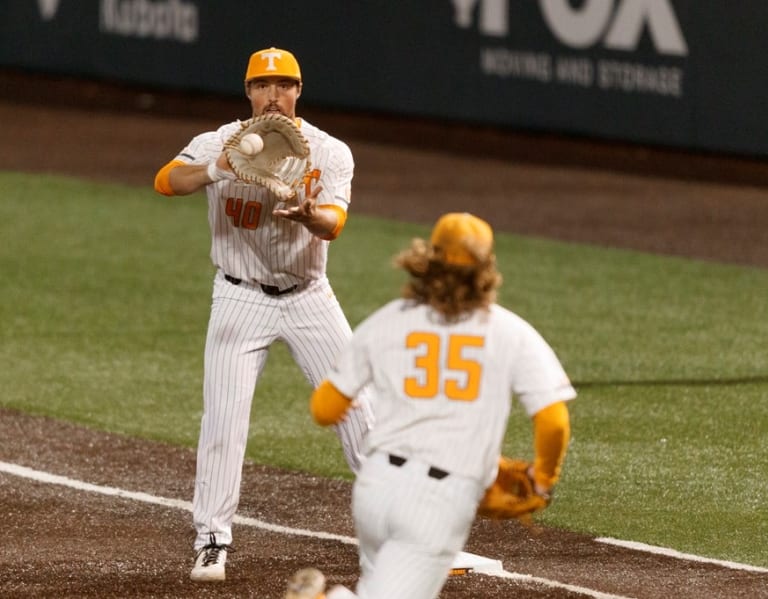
682	73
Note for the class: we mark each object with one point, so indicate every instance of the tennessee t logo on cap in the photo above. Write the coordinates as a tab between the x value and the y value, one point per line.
273	62
270	58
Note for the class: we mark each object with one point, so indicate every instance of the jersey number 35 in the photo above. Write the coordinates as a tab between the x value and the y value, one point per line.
458	376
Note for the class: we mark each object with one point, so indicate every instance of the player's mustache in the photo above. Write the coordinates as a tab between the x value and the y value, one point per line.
273	108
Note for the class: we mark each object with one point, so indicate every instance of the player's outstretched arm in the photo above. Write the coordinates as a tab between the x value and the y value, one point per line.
552	432
178	178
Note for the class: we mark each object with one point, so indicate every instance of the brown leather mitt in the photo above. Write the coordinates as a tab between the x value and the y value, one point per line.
278	160
512	494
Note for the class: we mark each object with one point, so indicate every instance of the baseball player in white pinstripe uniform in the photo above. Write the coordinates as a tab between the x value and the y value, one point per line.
270	285
444	362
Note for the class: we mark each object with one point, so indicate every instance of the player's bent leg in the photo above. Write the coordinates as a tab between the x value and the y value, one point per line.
315	329
428	521
405	573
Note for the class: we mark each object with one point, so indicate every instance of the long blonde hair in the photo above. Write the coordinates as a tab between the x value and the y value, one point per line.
454	291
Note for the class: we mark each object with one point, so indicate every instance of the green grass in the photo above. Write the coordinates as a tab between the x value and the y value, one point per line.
105	299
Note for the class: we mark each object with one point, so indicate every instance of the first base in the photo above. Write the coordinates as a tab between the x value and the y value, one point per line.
470	562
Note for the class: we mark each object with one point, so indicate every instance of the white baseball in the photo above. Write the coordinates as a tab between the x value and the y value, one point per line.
252	143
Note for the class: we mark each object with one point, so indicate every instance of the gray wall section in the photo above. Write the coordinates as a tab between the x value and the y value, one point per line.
682	73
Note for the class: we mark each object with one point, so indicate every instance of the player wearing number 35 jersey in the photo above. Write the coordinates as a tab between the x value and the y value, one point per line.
444	361
270	285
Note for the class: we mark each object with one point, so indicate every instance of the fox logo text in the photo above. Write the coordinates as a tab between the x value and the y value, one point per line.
617	24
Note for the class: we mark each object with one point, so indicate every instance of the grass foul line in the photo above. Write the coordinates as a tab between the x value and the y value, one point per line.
679	555
527	578
55	479
46	477
49	478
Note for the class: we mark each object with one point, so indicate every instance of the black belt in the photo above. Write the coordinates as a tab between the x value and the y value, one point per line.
433	472
268	289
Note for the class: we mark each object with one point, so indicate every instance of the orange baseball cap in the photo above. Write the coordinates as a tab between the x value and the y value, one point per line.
463	239
273	62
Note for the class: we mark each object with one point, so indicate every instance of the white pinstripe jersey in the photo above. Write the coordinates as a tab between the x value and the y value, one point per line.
247	241
442	393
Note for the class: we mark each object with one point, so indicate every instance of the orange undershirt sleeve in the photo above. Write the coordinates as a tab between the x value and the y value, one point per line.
341	220
162	178
551	433
328	405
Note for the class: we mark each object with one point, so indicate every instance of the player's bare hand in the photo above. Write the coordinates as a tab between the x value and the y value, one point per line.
304	212
320	222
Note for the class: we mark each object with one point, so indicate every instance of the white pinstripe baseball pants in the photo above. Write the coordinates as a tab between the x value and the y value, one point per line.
410	527
244	322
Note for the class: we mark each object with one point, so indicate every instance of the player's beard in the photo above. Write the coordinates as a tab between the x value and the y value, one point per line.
276	108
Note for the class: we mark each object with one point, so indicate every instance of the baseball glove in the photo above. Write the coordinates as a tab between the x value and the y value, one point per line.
282	162
512	494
